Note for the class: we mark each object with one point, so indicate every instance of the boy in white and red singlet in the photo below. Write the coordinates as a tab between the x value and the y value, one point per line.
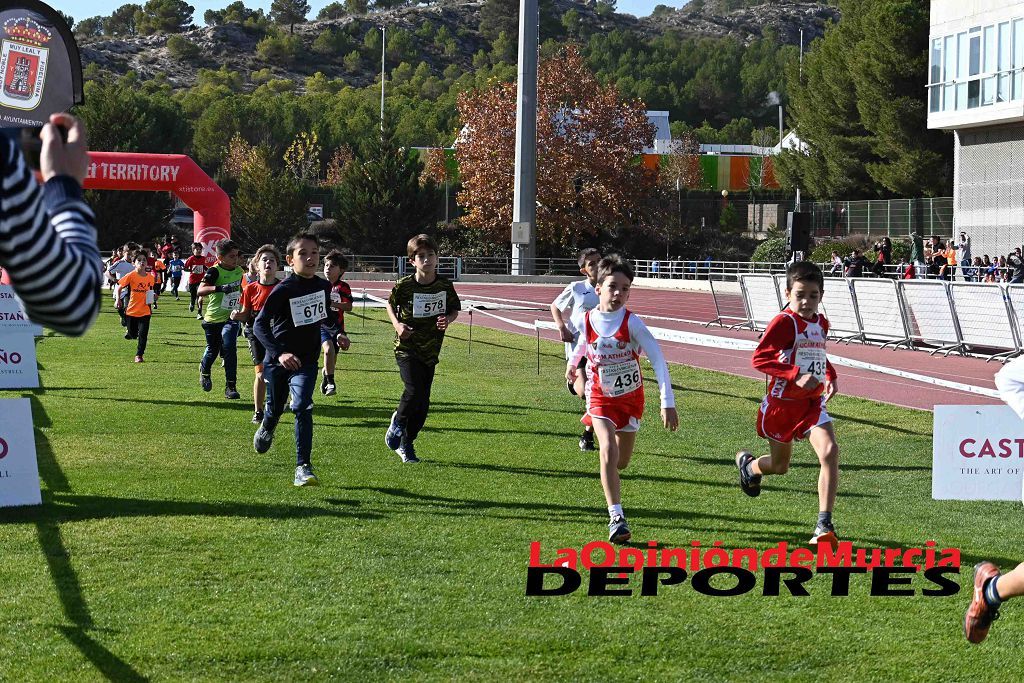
612	339
792	353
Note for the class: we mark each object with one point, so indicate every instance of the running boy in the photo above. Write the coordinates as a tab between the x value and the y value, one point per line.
991	588
116	271
335	265
196	267
792	353
578	298
175	265
221	286
254	296
289	328
141	286
421	308
611	338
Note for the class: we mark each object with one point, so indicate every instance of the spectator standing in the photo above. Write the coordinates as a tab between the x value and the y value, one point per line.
917	256
963	251
855	264
951	260
1016	265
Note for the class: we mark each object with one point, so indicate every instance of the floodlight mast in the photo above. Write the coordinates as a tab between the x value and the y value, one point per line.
524	207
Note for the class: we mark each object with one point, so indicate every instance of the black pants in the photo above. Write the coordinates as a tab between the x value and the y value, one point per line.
138	328
418	378
175	283
193	290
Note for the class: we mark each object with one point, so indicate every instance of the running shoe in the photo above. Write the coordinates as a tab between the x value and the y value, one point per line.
407	452
262	440
750	483
587	441
199	316
824	533
980	615
304	476
570	387
323	384
330	389
231	392
257	417
138	359
618	530
205	382
393	437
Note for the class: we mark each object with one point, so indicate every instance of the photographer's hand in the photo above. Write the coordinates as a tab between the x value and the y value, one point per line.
57	157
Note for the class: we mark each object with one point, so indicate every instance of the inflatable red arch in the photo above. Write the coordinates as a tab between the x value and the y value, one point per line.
175	173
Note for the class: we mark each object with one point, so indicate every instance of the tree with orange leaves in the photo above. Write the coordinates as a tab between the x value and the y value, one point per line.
589	175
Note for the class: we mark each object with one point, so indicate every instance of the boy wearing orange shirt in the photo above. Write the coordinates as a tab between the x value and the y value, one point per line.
266	260
141	299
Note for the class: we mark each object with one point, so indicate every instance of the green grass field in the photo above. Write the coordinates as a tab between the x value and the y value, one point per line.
167	549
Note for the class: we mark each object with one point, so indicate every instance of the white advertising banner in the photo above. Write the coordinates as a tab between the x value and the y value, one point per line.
18	369
977	453
19	471
12	315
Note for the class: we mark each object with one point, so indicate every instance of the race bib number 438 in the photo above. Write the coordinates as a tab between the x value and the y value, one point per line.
429	305
308	309
619	379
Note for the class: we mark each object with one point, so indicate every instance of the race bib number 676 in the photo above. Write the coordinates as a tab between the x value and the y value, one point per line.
308	309
429	305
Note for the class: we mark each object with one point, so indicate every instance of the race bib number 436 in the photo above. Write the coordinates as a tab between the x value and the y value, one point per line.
619	379
429	305
308	309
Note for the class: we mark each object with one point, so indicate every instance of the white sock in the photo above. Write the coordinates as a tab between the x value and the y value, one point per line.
615	511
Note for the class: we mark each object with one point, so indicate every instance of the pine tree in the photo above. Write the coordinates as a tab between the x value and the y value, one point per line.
380	200
289	12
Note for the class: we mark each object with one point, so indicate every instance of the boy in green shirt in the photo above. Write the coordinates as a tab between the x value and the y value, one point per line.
222	287
421	308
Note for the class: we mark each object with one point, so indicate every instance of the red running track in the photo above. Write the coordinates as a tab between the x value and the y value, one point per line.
699	307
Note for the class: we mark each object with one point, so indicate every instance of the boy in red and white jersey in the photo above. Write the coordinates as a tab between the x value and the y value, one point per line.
792	353
611	340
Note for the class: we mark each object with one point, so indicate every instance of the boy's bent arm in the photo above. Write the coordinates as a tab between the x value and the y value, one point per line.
779	336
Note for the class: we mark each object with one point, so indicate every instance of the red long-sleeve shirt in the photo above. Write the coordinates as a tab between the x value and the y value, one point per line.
792	346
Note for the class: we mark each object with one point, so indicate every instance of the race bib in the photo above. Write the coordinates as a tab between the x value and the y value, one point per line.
230	301
175	268
429	305
150	297
335	298
811	360
619	379
308	309
198	270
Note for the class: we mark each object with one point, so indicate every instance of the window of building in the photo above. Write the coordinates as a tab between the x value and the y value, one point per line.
980	67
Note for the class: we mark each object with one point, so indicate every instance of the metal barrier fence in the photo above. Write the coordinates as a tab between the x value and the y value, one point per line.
962	317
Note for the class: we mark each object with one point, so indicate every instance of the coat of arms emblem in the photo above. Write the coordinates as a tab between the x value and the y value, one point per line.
23	58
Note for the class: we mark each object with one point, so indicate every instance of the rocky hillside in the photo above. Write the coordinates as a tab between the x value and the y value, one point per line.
234	47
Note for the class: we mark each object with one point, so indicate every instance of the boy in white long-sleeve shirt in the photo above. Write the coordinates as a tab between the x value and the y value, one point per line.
612	339
991	588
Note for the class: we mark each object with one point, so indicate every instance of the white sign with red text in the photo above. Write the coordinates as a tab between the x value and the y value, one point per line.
19	471
977	453
18	369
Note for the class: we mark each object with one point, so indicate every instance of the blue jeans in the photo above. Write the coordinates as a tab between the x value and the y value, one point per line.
221	340
299	384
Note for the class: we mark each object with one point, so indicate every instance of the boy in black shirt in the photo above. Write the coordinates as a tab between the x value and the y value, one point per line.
289	328
421	308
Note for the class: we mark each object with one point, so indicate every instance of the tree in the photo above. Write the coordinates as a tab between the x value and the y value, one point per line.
332	12
121	22
91	27
68	19
302	158
289	12
680	169
182	48
235	13
267	207
356	6
861	112
587	144
380	201
169	16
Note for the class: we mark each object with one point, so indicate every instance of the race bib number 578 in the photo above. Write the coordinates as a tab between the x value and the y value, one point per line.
429	305
308	309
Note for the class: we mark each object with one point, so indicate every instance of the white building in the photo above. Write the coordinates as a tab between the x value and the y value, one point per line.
976	90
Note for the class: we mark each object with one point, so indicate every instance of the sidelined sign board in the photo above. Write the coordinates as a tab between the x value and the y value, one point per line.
19	470
977	453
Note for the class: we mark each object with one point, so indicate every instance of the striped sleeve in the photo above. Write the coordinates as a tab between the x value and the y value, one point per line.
48	246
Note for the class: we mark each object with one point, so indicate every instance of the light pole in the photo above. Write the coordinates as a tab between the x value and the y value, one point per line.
383	42
524	201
